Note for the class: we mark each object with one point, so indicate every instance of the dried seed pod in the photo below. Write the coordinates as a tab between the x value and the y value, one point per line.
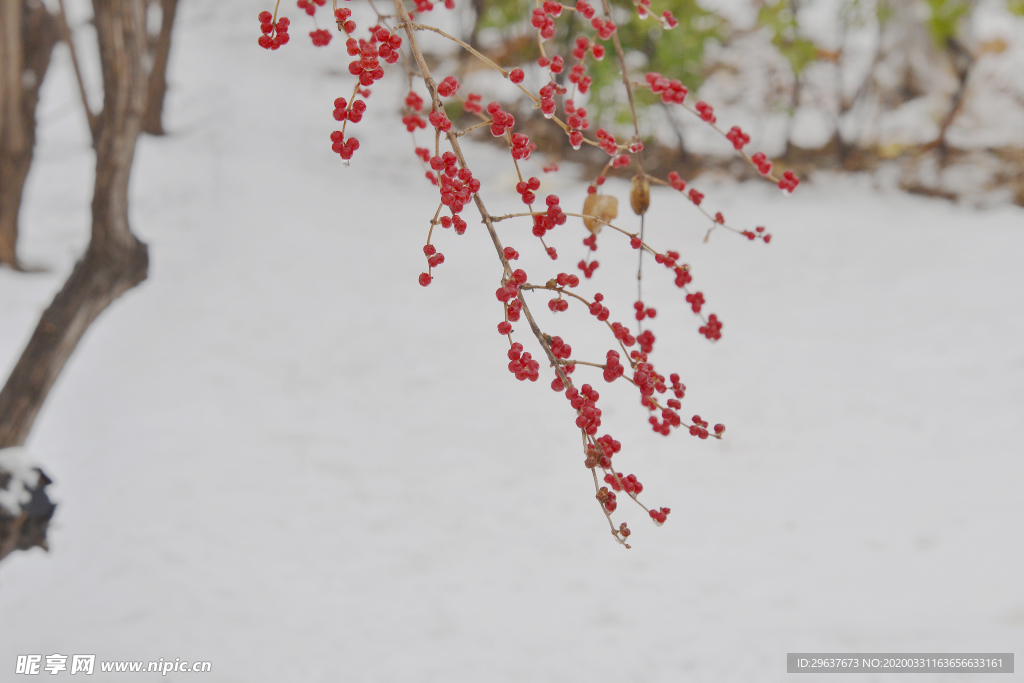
640	195
602	206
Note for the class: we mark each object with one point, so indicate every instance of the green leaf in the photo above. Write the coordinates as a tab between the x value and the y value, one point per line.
782	22
944	18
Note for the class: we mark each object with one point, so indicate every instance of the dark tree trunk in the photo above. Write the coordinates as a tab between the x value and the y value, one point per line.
152	122
115	260
27	36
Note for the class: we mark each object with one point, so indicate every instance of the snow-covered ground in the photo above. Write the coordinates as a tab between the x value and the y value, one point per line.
282	455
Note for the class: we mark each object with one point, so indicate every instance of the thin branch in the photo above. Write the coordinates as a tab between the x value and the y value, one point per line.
453	140
65	29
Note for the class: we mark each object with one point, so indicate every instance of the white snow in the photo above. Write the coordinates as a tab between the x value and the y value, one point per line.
282	455
22	477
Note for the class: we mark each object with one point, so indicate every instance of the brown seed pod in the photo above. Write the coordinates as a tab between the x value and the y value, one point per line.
602	206
640	195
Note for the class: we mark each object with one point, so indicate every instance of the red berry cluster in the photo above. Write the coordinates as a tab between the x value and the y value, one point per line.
413	120
607	499
582	44
448	87
642	312
439	120
585	9
522	147
629	483
320	37
758	232
668	259
522	365
696	197
342	146
588	268
668	20
678	388
648	381
547	95
683	276
613	369
434	257
567	280
543	222
456	221
577	75
457	187
500	120
367	67
577	120
659	516
672	92
604	27
699	428
696	301
543	20
584	402
621	333
553	8
559	349
599	311
646	341
676	182
474	103
764	166
600	453
789	182
737	137
557	305
706	112
607	142
310	5
274	35
343	112
427	5
512	309
345	23
526	188
713	329
510	289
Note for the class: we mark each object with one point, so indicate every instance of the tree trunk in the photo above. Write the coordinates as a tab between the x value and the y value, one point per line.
114	262
27	36
152	122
